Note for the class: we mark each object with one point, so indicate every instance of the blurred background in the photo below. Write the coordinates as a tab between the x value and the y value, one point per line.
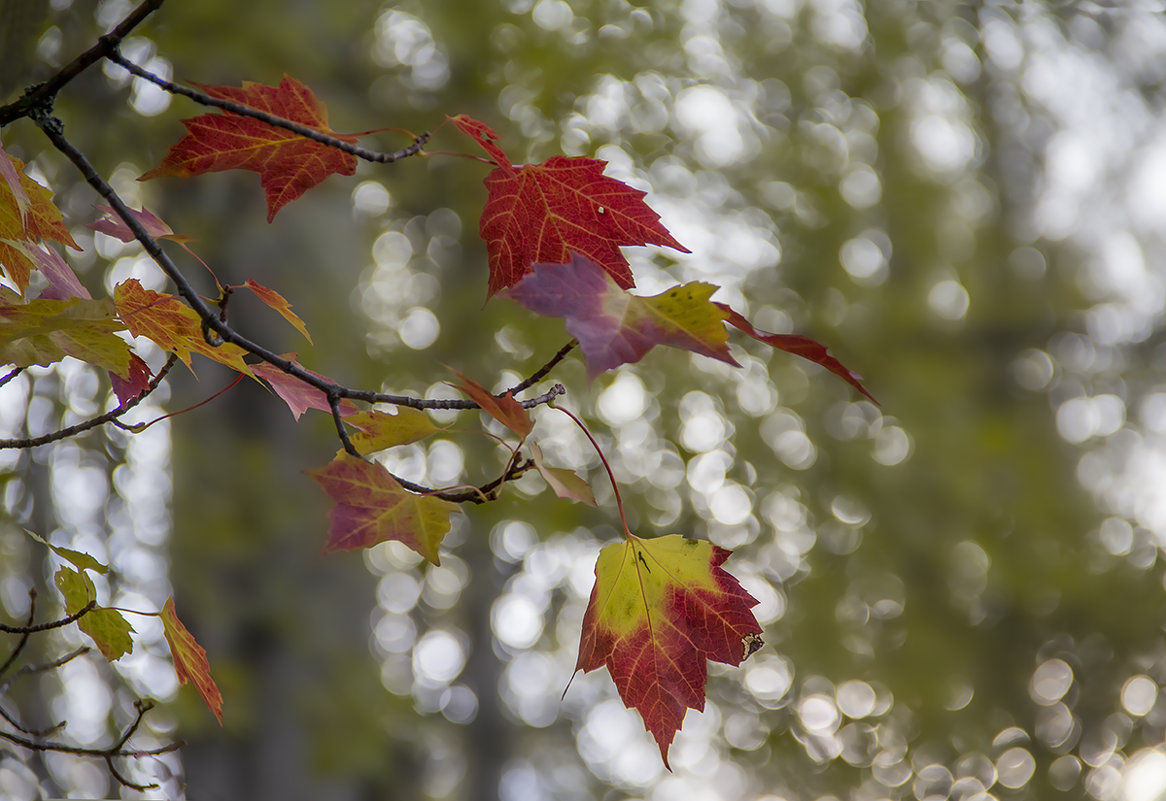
962	591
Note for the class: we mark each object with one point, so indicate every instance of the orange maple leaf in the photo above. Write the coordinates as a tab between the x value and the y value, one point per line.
507	409
288	164
171	325
190	662
660	609
543	212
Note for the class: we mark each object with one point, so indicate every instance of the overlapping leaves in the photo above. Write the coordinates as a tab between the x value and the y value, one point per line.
109	630
553	231
543	212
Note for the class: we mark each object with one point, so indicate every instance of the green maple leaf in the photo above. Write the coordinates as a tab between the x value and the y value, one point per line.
44	331
379	430
108	629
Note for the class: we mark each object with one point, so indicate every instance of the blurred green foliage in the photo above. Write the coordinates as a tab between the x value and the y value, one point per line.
961	589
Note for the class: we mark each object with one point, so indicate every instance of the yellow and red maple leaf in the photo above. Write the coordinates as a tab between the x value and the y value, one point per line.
288	164
171	325
615	327
372	507
543	212
26	216
190	662
660	609
278	303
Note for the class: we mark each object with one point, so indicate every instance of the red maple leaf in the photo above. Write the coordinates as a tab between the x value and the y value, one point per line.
799	346
111	224
543	212
659	610
287	163
138	381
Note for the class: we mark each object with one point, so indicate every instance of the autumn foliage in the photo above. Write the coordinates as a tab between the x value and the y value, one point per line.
661	608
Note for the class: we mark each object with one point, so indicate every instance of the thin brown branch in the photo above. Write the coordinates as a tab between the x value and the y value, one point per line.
341	431
93	422
246	111
124	782
34	740
24	635
56	624
542	372
101	753
118	749
14	723
15	372
56	663
42	95
142	707
53	129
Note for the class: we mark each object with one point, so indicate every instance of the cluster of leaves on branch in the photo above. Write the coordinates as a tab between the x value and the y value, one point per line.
110	631
661	608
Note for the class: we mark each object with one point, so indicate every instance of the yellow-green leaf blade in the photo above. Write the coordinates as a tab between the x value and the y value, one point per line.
379	430
108	629
44	331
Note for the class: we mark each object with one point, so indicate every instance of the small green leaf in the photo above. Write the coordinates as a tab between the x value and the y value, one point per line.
106	627
76	588
109	630
81	560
